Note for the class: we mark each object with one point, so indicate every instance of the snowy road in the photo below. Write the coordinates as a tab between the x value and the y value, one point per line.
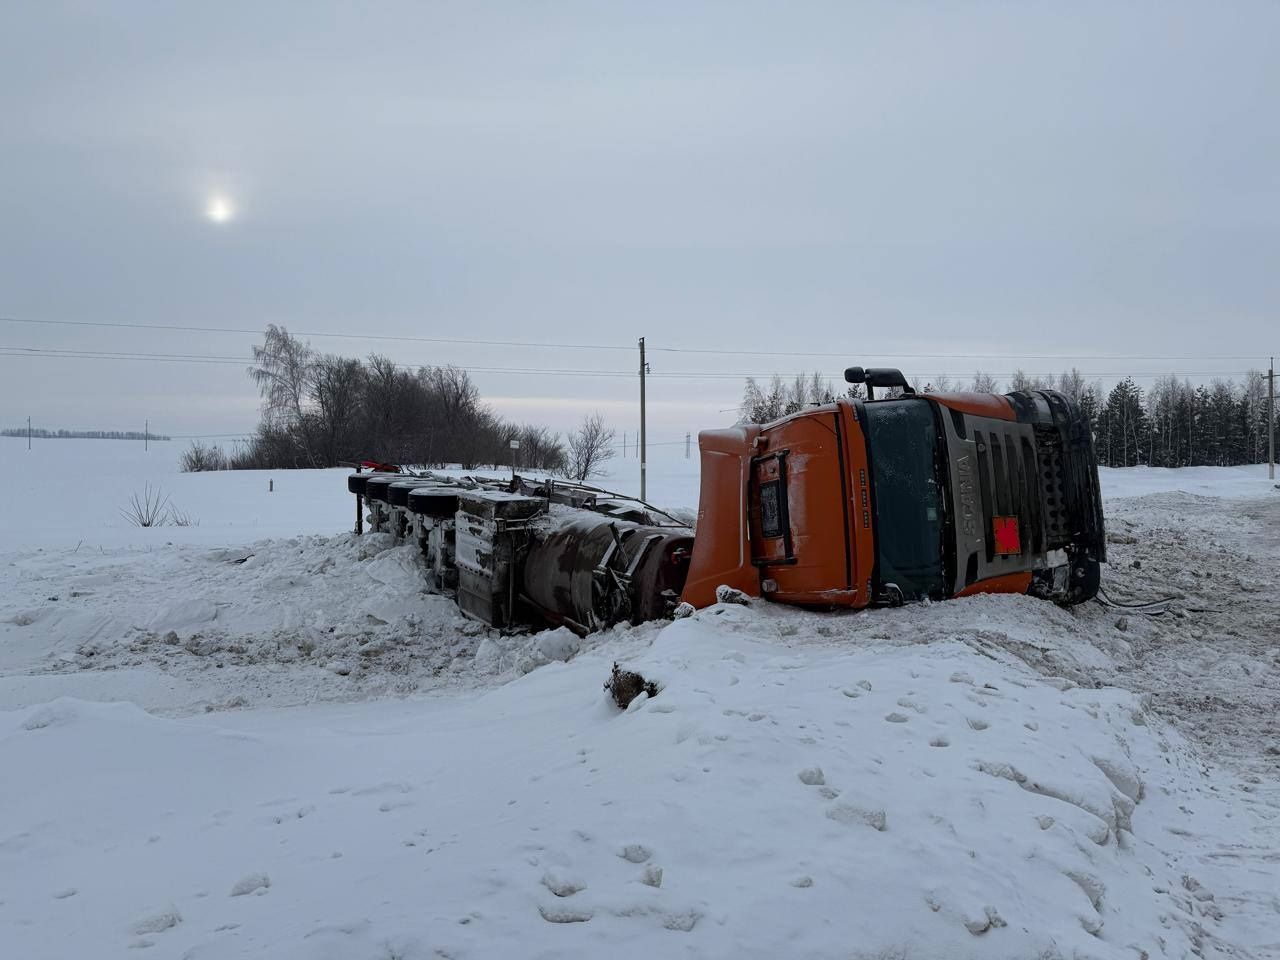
336	765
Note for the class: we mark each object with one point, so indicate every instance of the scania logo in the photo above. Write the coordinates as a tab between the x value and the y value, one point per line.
968	508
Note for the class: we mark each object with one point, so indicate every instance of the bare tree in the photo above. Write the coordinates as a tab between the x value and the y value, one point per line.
281	368
1022	381
540	449
751	410
201	457
590	447
984	383
783	399
334	388
1072	383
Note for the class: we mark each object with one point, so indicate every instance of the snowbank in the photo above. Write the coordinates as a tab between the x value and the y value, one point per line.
779	797
1245	481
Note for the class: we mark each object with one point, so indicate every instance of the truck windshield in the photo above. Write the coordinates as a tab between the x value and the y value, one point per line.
902	442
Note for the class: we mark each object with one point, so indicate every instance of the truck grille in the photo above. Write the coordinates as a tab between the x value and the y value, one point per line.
1008	483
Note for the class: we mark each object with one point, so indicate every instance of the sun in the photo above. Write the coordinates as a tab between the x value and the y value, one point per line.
219	209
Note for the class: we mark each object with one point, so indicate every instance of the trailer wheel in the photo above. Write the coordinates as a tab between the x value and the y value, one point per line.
1084	580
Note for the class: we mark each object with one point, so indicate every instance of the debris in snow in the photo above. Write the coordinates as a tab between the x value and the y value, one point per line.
250	883
549	646
728	594
683	610
625	685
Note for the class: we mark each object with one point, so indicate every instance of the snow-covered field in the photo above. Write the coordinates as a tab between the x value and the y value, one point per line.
257	737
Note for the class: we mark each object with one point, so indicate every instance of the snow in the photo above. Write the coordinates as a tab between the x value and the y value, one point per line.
1246	481
260	737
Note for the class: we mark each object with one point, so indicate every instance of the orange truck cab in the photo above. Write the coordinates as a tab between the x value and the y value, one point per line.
916	497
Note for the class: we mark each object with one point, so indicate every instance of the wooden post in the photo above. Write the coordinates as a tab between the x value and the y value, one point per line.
359	510
644	369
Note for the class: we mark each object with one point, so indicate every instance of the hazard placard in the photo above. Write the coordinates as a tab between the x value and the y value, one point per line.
1004	531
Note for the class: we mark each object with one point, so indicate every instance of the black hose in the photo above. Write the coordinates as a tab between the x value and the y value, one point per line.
1148	607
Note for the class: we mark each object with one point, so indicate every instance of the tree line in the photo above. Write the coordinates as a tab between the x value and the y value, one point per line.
319	410
40	434
1171	424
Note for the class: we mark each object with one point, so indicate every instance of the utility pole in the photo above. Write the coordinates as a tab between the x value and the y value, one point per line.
687	438
1271	420
644	369
146	436
28	433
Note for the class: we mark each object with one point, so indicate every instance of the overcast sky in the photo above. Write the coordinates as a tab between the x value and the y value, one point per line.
860	181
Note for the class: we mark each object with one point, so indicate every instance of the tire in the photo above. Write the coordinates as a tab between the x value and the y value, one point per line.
377	488
433	501
1083	581
398	491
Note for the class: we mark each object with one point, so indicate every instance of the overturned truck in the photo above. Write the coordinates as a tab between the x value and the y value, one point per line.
849	504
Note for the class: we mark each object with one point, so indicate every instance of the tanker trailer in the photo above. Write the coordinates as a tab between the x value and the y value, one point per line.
847	504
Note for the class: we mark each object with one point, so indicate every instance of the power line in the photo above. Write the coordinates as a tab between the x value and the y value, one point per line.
124	354
314	333
894	354
55	353
720	351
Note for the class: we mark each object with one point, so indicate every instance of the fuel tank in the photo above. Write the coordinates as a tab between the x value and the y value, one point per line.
590	572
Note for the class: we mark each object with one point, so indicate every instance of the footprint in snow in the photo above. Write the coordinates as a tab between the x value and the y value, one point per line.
635	853
977	724
564	913
684	921
157	922
851	814
381	788
896	717
251	883
562	886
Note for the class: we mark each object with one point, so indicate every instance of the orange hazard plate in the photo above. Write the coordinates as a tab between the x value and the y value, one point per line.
1005	531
